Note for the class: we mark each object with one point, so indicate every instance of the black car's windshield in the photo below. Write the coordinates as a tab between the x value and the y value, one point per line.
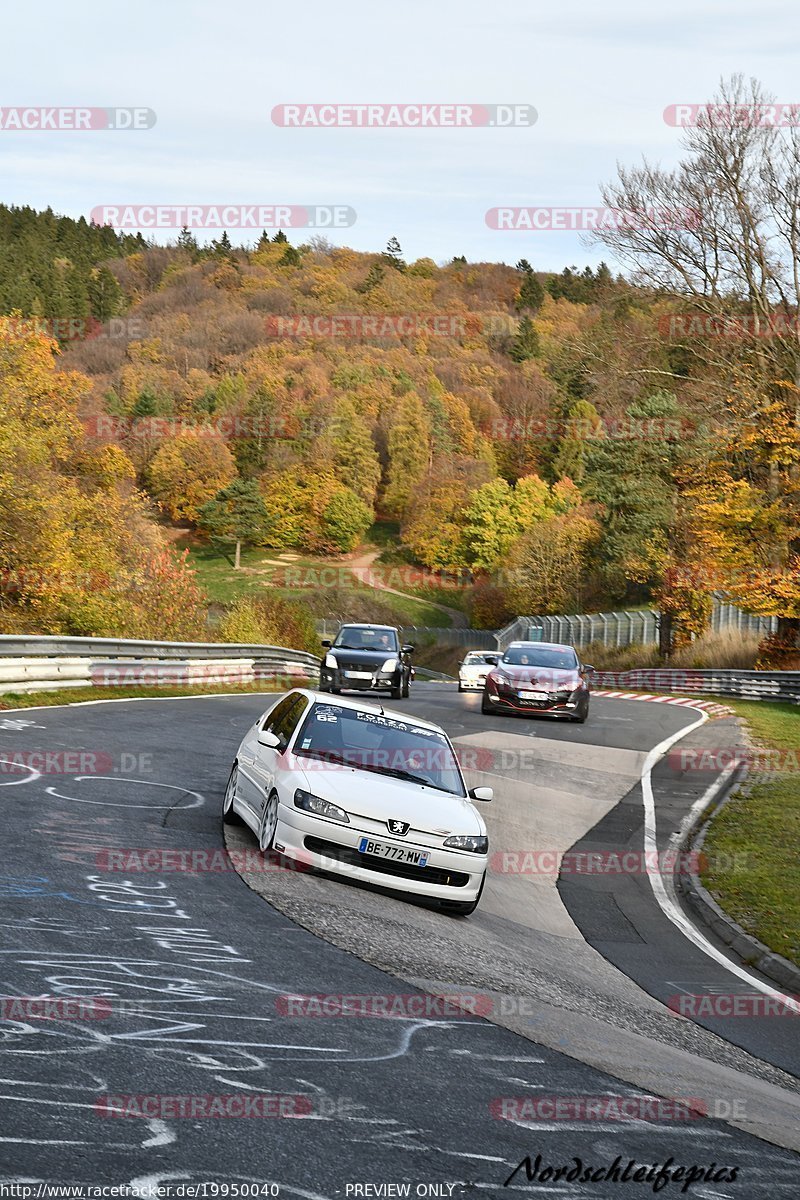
358	638
334	735
541	656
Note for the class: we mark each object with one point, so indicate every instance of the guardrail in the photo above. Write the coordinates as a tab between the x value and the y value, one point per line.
32	663
746	685
12	645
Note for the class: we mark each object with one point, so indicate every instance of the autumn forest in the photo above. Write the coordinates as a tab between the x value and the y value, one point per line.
556	441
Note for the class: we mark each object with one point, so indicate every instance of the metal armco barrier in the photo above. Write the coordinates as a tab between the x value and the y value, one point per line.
30	664
747	685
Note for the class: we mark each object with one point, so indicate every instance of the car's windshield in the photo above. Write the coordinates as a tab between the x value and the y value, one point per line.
474	660
356	637
337	736
557	658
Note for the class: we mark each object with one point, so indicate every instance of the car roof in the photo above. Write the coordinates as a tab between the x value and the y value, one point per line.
365	625
352	702
539	646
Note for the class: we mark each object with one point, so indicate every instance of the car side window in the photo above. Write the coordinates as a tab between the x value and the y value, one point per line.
275	720
290	720
282	721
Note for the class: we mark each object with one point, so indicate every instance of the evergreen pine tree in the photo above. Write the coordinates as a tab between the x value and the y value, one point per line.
526	343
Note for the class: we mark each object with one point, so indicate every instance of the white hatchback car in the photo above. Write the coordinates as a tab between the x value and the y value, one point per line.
371	793
473	669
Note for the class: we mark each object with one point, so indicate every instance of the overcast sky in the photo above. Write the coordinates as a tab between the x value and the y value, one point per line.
599	75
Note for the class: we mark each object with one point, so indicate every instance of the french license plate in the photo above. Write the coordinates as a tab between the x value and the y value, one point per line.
533	695
396	853
358	674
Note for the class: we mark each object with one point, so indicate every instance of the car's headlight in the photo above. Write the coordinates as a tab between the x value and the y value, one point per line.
476	845
502	679
331	662
320	807
390	665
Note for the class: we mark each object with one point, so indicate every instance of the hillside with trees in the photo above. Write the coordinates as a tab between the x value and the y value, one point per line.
564	442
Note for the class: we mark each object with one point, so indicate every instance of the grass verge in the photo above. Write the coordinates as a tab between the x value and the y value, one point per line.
754	837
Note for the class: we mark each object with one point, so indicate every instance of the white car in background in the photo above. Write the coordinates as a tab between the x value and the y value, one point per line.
370	793
473	669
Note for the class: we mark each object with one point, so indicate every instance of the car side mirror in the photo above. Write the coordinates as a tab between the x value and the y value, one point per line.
407	650
492	659
481	793
326	642
267	738
587	667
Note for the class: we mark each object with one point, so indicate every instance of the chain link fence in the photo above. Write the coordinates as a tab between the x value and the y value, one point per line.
627	627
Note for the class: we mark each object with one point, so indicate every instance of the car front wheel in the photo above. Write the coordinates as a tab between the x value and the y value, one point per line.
229	813
486	704
269	823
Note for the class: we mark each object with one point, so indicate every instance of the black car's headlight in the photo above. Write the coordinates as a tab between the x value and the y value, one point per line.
319	807
476	845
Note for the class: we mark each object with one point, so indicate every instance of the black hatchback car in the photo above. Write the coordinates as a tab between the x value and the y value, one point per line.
367	658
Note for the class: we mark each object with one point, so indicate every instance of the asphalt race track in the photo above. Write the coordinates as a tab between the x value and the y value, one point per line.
188	974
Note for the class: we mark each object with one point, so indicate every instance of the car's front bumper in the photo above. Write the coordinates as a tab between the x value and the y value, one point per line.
378	681
558	706
471	683
449	875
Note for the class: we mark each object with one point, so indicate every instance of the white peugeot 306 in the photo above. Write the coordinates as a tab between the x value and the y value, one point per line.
370	793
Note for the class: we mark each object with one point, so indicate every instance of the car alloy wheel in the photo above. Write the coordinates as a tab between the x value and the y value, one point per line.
269	823
229	813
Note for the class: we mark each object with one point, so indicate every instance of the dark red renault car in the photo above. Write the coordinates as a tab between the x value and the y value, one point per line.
536	677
